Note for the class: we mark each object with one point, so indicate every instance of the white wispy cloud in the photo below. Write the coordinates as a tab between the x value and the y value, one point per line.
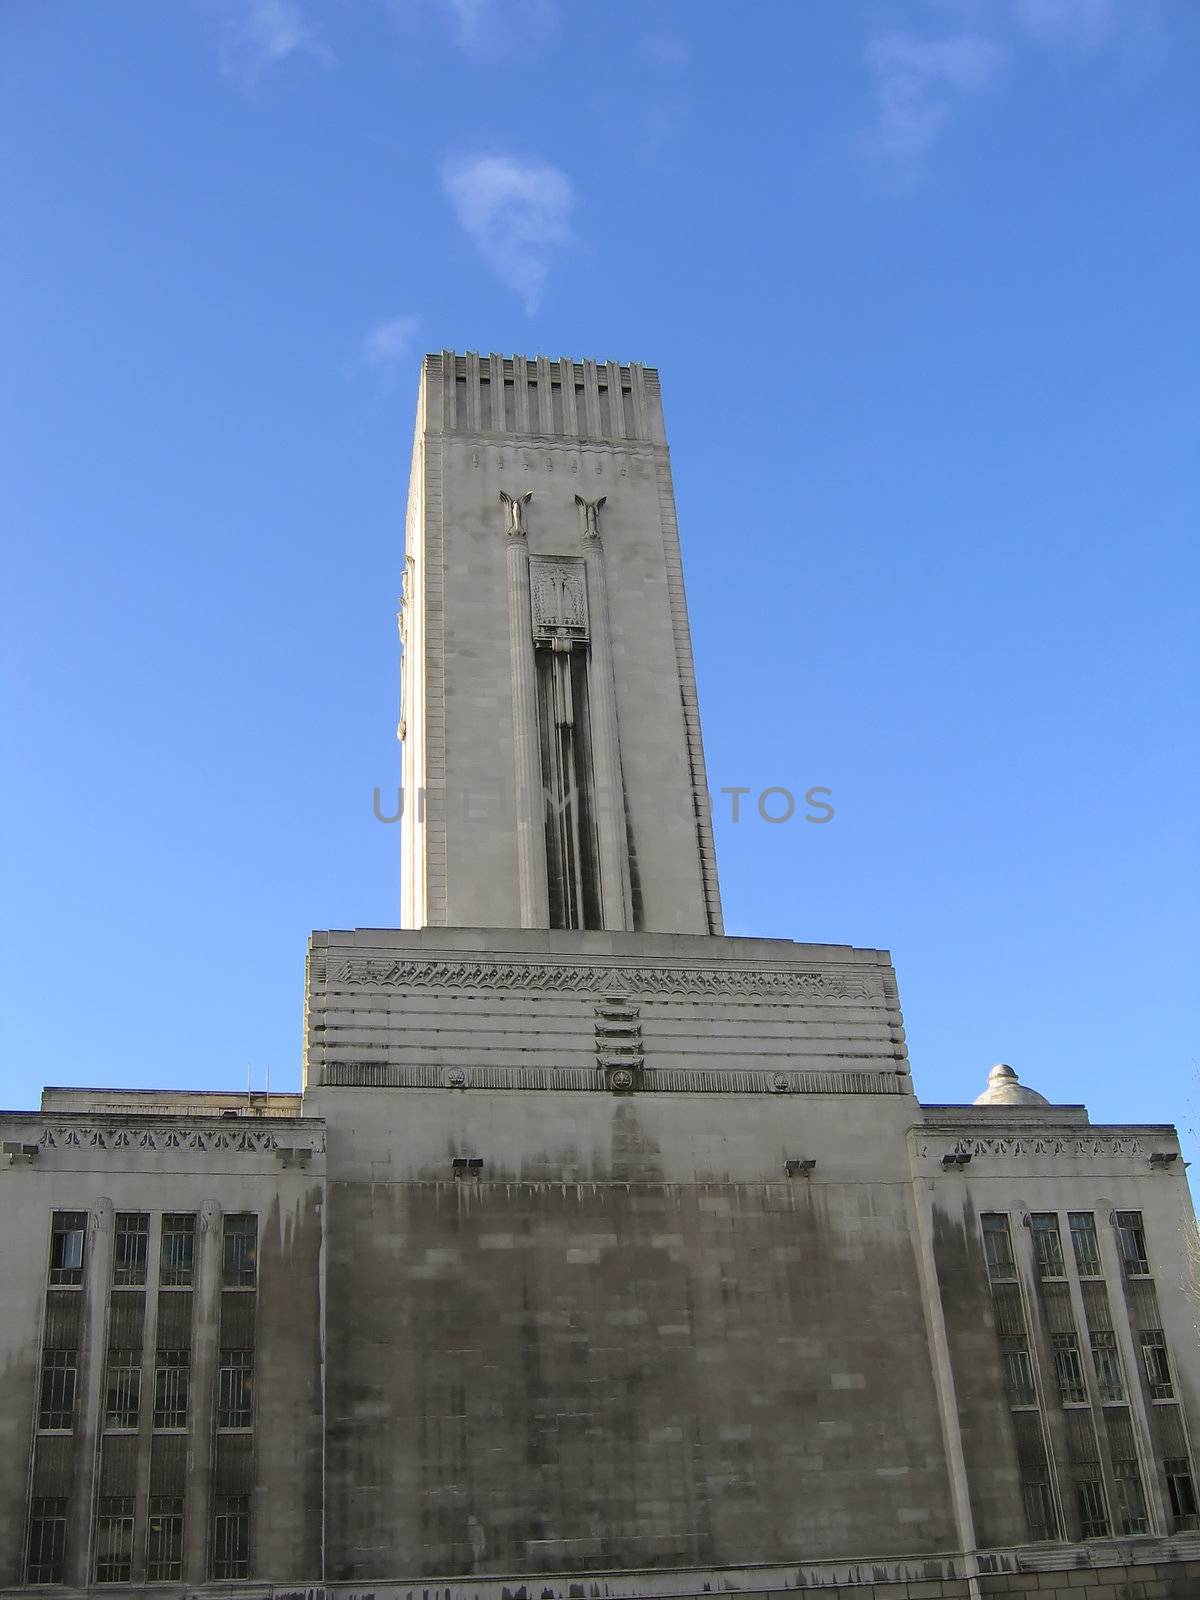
516	211
1085	23
482	27
257	35
919	82
390	342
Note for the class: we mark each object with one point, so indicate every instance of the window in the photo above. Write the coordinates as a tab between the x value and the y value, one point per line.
1087	1246
1039	1504
1182	1492
123	1389
239	1252
47	1541
997	1247
1047	1245
171	1374
1131	1500
66	1247
129	1249
114	1539
178	1252
1068	1370
1158	1368
1106	1359
235	1389
1132	1239
230	1556
56	1408
1093	1513
164	1539
1018	1373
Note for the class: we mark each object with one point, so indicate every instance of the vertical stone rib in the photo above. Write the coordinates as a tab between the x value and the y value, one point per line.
687	689
566	372
533	893
616	900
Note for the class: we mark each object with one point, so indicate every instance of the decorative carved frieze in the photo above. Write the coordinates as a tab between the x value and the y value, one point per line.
248	1141
1042	1144
595	978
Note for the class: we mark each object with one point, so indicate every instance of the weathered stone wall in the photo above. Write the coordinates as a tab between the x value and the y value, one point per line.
645	1368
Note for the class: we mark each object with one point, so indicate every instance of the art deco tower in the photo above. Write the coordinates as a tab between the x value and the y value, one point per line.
553	770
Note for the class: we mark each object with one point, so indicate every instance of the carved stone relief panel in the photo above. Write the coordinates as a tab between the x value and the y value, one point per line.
558	592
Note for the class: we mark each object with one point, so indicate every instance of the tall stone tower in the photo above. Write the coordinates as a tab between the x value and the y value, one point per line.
553	769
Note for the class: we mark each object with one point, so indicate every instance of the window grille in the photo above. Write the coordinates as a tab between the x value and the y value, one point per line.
997	1247
1072	1390
1093	1513
123	1389
47	1540
67	1236
164	1539
56	1408
1131	1498
1132	1239
178	1251
239	1261
1047	1245
230	1557
235	1389
129	1249
1086	1244
114	1539
1106	1359
1158	1367
1040	1515
1018	1373
171	1378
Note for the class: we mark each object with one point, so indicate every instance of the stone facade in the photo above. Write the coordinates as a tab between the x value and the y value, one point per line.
601	1255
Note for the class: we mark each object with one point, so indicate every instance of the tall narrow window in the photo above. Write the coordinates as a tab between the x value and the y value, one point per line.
1131	1499
1040	1515
1068	1369
230	1556
235	1389
558	590
171	1375
56	1406
239	1260
1106	1359
1132	1239
1158	1367
1182	1492
997	1247
67	1235
114	1539
164	1539
1087	1246
1018	1372
47	1540
1093	1513
178	1251
123	1388
1047	1244
129	1249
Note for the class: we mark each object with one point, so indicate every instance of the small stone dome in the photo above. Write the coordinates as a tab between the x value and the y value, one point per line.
1004	1089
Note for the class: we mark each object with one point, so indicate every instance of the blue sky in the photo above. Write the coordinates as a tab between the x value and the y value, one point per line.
921	281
